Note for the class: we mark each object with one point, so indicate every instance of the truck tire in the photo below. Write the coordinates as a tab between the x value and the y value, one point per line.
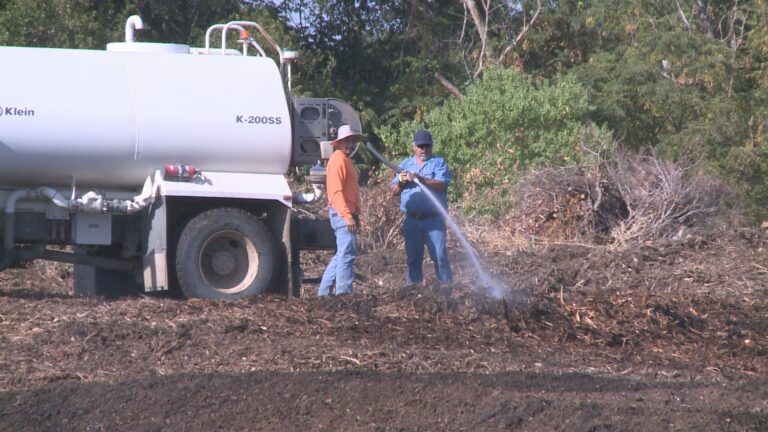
224	254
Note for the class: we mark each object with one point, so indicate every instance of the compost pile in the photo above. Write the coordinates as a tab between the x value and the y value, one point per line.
667	336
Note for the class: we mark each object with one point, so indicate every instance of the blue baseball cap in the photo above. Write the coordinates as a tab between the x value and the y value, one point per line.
422	137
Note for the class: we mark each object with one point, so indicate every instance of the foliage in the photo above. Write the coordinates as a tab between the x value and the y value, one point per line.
94	23
506	123
746	168
674	79
664	87
493	32
688	78
380	56
59	23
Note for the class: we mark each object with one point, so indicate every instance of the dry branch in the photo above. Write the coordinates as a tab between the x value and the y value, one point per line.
622	200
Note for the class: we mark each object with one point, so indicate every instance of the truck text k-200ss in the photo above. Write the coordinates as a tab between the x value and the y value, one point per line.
102	151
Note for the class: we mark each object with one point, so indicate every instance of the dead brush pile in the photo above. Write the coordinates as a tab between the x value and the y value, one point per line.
624	200
380	216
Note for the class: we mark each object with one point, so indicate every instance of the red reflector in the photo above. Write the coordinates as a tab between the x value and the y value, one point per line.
287	198
181	171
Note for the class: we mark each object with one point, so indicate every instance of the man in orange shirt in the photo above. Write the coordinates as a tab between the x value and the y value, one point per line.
344	207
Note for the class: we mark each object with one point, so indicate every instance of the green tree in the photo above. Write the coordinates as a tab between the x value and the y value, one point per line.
182	21
94	23
505	124
59	23
745	164
499	28
679	80
665	87
382	56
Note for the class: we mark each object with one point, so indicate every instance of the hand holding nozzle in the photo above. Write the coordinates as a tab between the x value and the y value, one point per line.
403	178
406	177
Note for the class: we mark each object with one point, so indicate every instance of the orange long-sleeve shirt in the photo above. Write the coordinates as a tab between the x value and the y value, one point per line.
341	184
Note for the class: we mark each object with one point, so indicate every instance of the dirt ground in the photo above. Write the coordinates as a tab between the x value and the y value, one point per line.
667	336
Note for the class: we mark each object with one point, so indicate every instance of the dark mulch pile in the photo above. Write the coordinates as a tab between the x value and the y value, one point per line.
667	336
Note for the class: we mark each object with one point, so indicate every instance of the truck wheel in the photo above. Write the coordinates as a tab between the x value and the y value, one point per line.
224	253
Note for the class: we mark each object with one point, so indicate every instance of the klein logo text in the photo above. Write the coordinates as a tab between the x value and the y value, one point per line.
16	112
255	119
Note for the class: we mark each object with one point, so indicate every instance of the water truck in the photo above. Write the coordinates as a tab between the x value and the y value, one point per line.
157	165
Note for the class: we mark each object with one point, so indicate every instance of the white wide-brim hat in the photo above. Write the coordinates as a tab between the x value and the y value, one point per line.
347	134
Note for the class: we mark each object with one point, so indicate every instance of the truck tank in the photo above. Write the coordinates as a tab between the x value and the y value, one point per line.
110	118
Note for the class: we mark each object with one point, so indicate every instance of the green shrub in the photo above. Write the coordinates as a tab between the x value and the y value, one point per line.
505	124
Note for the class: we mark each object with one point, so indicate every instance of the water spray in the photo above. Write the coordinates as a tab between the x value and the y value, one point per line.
492	287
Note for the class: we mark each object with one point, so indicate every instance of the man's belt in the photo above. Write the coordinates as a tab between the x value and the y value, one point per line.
421	216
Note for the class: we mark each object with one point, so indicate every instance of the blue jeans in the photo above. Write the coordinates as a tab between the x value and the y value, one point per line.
339	270
417	233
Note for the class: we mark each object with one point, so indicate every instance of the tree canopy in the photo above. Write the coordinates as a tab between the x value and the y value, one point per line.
504	86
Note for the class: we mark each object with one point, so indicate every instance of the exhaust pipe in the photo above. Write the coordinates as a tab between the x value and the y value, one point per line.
133	23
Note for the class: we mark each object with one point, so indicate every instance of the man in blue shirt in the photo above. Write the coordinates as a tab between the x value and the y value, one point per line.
424	222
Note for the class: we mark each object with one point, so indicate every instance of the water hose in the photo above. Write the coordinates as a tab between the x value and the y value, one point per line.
491	286
381	157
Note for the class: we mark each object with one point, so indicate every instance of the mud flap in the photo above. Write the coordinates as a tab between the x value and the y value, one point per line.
315	234
155	241
94	281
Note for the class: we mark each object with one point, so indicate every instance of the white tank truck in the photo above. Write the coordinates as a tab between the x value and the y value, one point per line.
151	165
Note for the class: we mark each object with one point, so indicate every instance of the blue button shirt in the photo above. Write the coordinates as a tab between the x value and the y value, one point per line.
412	198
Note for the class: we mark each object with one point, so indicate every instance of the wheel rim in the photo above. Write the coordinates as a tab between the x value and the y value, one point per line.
229	262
